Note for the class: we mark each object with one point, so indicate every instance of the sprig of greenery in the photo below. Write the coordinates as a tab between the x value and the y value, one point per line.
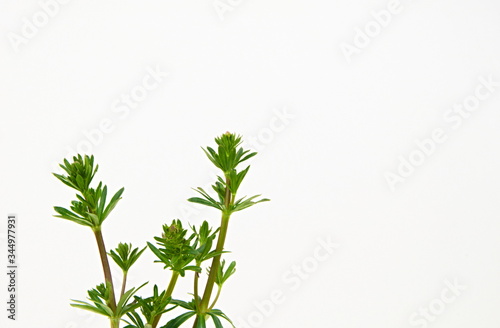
90	208
124	256
151	307
175	251
193	311
203	243
178	250
223	275
221	188
100	303
228	156
79	173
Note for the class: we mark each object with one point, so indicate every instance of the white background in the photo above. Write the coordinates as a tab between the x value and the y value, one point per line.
350	122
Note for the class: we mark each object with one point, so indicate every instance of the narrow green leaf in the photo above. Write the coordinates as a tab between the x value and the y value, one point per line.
65	212
112	203
103	309
192	268
135	255
204	202
247	157
158	253
102	201
174	323
230	270
183	304
65	180
125	298
68	215
90	308
117	259
216	320
219	313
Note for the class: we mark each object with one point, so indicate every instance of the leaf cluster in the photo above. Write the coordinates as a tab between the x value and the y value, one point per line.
214	314
227	158
79	173
99	302
228	155
226	194
223	275
150	308
203	242
175	250
90	207
124	256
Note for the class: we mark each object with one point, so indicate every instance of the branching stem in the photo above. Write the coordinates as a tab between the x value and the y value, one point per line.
170	289
219	248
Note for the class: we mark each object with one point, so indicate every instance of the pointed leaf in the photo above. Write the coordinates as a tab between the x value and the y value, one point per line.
102	201
203	202
216	320
174	323
112	203
219	313
158	253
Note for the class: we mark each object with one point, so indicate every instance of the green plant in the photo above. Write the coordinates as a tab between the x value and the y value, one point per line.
178	249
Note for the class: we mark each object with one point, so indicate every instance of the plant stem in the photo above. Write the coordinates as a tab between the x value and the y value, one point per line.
196	278
228	201
219	288
215	264
168	293
115	322
202	307
172	283
105	266
124	283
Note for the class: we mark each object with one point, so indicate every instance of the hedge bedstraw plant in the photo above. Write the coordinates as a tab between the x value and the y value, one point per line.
178	249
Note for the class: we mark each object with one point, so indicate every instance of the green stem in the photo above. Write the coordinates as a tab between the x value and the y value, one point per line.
226	214
196	278
170	289
202	308
215	264
124	283
219	288
105	266
171	285
115	322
